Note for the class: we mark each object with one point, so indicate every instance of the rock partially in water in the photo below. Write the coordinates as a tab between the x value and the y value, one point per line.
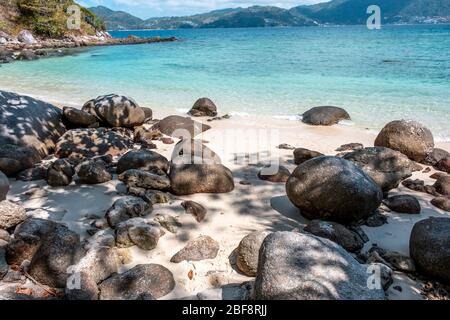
331	188
139	283
297	266
202	248
181	127
409	137
203	107
325	116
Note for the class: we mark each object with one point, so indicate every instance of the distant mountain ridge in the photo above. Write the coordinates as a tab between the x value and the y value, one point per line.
332	12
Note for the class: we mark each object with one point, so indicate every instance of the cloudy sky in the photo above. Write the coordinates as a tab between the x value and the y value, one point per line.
157	8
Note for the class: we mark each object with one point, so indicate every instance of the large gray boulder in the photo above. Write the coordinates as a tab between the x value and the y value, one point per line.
26	37
28	122
386	166
4	186
145	281
409	137
59	249
144	179
202	248
296	266
325	116
247	255
142	160
430	247
177	126
335	189
116	110
89	143
200	178
14	159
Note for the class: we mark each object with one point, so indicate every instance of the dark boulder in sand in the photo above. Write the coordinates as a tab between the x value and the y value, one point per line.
28	122
409	137
14	159
301	155
435	156
79	118
203	107
143	282
126	208
180	127
88	143
4	186
200	178
430	248
281	175
348	239
142	160
386	166
190	151
195	209
202	248
325	116
93	172
59	249
442	203
403	204
27	238
11	214
443	165
247	255
296	266
148	113
334	189
442	185
138	232
145	179
60	173
116	111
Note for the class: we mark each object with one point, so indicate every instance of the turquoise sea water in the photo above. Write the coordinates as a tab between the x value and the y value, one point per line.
378	76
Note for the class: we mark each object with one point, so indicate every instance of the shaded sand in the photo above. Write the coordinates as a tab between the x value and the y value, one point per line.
258	206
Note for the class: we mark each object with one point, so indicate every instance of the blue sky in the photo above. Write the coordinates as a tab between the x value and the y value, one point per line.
158	8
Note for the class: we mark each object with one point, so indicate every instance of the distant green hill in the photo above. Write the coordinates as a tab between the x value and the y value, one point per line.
45	18
332	12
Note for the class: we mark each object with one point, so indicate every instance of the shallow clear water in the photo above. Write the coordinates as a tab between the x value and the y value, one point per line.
377	76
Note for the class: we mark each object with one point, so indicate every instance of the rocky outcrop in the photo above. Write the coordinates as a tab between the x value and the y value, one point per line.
325	116
143	282
385	166
143	160
202	248
88	143
28	122
409	137
295	266
116	111
430	247
203	107
200	178
335	189
180	127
